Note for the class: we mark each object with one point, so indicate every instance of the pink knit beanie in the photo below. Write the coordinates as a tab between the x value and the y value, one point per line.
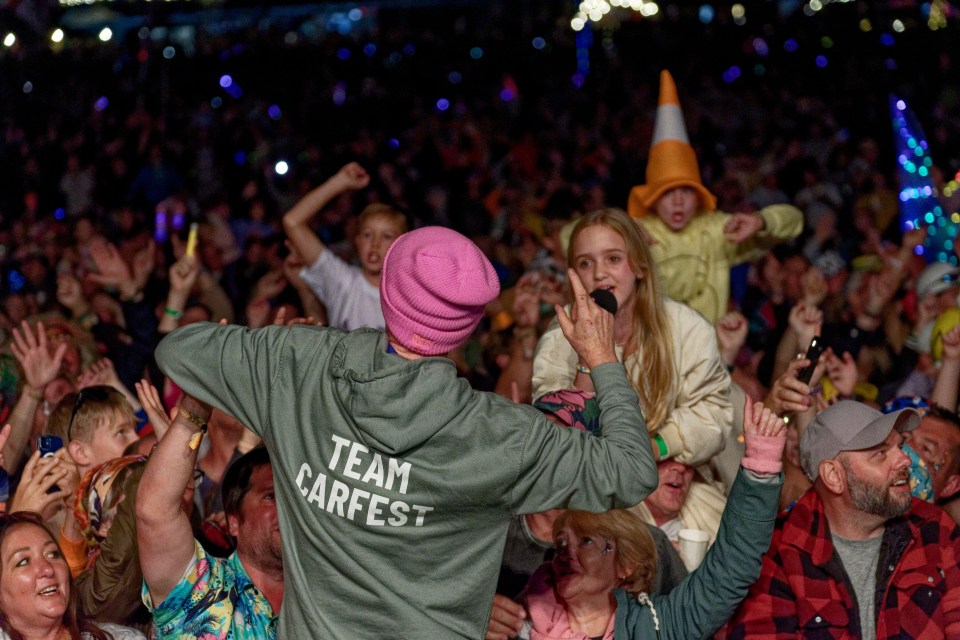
433	288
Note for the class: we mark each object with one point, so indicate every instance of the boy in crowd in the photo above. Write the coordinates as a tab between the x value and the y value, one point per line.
693	244
350	294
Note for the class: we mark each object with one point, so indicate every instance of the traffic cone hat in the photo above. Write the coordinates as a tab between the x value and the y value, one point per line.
672	162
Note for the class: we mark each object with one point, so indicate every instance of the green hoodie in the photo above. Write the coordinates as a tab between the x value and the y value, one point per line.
395	480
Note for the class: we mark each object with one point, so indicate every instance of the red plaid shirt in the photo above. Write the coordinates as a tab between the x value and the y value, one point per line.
804	592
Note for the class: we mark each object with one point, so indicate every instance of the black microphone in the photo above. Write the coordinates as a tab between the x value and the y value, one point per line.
605	300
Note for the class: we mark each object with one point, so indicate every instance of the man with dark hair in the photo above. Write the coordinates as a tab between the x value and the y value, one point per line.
190	592
858	556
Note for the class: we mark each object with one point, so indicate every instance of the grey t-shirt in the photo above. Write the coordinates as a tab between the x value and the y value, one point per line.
859	558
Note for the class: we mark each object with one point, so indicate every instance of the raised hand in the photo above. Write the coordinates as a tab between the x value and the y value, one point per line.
143	264
112	269
764	434
806	321
39	475
788	394
153	405
731	334
588	328
526	300
31	351
352	177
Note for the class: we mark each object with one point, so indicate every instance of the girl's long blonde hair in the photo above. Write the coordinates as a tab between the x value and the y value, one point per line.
650	327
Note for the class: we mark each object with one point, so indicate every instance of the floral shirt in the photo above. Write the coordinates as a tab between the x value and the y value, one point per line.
215	600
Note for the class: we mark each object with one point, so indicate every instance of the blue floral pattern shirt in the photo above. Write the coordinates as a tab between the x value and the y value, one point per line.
215	600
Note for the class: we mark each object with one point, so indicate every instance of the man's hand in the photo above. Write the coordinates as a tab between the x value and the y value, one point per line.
588	328
506	618
742	226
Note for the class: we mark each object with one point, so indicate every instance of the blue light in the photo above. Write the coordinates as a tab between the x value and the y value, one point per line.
274	112
760	46
217	102
454	77
886	40
339	94
355	14
476	53
101	103
443	104
409	49
821	61
790	45
706	13
539	43
225	81
507	95
578	79
15	281
240	158
394	143
343	53
59	213
369	49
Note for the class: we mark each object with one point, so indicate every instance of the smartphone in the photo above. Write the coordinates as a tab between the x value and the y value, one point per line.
192	239
813	355
48	445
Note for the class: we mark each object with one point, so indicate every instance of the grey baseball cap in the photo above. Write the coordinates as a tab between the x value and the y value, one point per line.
937	278
849	426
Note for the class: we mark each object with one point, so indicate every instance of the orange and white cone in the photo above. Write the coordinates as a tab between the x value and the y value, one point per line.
672	162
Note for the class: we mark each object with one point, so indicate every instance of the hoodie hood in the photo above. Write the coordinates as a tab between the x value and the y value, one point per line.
378	392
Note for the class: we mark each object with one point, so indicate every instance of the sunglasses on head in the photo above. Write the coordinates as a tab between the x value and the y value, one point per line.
96	394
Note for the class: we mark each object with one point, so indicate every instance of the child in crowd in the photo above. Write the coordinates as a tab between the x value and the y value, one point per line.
670	352
350	294
693	244
97	426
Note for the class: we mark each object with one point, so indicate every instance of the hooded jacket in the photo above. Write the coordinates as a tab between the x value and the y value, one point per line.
395	480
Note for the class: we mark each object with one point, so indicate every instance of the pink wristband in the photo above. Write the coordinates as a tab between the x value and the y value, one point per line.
764	453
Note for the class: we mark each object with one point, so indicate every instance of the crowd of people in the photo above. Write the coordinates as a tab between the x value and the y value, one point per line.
504	369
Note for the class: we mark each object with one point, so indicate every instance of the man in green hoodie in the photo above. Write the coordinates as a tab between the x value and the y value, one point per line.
395	480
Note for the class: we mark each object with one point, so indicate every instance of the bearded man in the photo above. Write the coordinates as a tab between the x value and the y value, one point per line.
858	556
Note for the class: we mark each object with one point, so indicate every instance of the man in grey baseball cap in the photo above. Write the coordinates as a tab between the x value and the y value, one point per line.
849	426
857	556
